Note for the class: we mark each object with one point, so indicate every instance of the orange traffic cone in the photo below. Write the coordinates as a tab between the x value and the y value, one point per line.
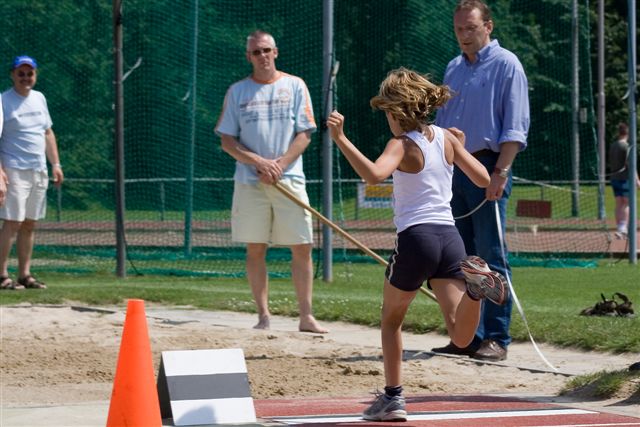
134	399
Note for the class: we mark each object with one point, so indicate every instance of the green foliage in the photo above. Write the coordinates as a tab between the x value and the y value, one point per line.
538	33
552	300
616	75
72	40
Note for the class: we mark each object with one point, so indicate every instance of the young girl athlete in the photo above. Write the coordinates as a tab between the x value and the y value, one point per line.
420	157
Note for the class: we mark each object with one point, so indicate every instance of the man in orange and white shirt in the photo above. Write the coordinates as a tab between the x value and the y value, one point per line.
265	125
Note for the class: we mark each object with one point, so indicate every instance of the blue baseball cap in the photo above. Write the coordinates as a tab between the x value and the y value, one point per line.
24	60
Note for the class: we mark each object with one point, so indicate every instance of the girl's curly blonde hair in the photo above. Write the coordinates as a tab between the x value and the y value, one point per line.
409	97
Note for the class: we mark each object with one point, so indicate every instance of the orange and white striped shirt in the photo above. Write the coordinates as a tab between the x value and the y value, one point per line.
265	117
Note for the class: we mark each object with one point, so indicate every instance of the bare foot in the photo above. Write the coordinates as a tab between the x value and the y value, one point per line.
263	323
310	324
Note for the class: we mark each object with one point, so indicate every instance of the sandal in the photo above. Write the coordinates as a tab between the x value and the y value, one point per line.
31	282
7	284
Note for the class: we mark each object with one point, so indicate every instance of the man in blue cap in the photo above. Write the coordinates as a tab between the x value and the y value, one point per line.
26	142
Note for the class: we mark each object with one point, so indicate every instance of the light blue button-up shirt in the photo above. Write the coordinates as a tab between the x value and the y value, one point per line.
490	102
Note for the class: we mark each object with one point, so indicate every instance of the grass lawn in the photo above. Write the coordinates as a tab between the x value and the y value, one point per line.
552	300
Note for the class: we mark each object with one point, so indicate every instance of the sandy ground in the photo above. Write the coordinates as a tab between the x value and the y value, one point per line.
53	355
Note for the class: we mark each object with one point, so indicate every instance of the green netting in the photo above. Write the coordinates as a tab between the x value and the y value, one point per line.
180	57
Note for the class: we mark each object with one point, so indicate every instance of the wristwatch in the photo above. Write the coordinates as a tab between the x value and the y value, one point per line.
502	172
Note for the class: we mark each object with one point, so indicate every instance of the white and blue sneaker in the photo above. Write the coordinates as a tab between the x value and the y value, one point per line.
386	408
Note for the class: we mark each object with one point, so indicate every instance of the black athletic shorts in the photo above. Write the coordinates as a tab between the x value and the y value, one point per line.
423	252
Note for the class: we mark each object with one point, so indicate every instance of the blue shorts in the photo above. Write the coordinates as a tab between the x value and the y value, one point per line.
620	187
423	252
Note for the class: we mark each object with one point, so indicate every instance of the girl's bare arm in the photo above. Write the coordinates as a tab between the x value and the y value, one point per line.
371	172
471	167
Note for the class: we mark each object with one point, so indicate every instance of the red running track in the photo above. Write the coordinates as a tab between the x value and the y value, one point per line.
438	411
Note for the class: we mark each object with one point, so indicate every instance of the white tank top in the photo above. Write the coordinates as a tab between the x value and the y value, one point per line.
424	197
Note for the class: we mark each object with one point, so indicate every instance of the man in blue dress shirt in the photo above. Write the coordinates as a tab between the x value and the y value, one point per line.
491	105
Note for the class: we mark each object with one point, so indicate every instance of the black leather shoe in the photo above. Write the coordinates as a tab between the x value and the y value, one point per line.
451	348
490	350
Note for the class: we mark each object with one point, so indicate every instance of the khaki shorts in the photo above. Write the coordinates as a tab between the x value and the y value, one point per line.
262	214
26	195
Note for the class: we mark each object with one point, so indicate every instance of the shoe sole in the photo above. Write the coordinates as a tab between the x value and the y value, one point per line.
482	281
477	263
398	415
454	352
489	358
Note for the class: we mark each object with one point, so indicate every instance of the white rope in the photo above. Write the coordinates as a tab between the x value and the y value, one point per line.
545	185
513	291
473	211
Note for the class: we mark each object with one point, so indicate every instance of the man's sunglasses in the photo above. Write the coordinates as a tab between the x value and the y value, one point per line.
258	52
26	74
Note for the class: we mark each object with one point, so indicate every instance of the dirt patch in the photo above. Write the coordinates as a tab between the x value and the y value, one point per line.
58	355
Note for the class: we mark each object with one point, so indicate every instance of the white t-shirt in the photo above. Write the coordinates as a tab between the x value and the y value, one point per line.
26	118
265	117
